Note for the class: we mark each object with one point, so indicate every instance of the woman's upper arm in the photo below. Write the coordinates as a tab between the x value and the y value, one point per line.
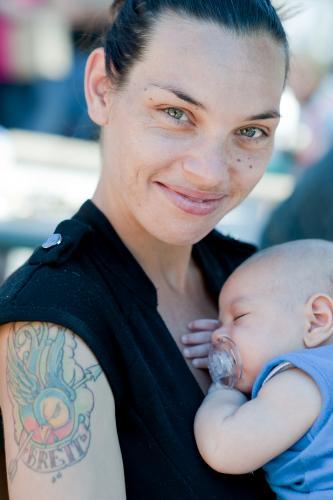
59	419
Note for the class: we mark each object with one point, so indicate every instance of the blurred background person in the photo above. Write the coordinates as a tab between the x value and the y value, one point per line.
304	147
42	60
306	130
308	212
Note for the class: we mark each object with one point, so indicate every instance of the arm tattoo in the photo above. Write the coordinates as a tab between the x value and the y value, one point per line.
50	398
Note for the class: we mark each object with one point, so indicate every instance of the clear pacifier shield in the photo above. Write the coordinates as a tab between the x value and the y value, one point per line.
224	362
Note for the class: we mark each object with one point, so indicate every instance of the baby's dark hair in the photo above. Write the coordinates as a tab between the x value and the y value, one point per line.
132	22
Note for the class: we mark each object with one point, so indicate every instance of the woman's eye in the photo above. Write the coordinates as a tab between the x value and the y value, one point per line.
176	113
252	132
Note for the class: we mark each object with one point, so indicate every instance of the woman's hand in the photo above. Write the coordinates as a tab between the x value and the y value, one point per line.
198	341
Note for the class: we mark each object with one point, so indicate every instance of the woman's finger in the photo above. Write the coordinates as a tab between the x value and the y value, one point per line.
203	324
197	338
198	351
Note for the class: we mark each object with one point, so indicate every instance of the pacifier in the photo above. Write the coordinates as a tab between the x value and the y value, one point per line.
224	363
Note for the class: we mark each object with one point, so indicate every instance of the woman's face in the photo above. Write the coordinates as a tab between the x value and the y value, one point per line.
190	133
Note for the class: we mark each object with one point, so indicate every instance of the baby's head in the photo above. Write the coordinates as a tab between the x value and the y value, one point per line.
279	300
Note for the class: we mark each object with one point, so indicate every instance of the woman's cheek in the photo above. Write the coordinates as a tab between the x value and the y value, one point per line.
253	156
251	167
243	177
158	150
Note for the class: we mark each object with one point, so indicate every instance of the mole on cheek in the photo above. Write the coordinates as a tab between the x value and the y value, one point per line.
239	160
250	164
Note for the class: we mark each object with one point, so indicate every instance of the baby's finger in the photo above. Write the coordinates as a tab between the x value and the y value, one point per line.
203	324
196	338
198	351
200	363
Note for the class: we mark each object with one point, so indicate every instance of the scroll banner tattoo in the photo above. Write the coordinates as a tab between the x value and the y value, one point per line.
51	401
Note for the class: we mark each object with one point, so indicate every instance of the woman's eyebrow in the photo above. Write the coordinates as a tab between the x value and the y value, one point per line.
267	115
181	95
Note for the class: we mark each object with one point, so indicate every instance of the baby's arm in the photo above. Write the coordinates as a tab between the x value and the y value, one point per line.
236	436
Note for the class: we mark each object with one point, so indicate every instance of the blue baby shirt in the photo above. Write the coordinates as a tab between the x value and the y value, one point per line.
306	469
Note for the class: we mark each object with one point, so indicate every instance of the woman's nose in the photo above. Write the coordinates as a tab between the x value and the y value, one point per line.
207	167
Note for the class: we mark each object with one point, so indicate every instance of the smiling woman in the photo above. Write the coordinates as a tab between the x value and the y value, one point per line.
192	135
187	95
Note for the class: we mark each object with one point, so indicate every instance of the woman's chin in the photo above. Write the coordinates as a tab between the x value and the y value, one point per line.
182	234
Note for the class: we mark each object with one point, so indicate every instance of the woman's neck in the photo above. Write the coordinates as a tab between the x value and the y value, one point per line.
167	266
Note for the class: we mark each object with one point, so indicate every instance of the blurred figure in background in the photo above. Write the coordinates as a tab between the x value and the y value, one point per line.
312	83
305	149
306	131
41	83
308	212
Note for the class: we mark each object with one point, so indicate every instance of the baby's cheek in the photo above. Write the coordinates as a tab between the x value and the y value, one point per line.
244	385
249	366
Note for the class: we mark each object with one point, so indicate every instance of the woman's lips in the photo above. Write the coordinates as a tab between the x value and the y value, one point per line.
191	201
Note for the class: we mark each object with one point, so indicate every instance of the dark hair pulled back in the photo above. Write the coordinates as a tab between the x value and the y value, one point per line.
133	20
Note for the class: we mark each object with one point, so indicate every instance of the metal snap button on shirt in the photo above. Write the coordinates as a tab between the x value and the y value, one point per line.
52	240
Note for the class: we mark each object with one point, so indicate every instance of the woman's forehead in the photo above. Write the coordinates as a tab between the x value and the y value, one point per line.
204	59
198	41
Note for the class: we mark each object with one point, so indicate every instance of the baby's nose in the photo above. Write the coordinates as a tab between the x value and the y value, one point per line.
217	336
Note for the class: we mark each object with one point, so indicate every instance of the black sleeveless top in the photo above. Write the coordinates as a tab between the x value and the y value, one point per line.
91	284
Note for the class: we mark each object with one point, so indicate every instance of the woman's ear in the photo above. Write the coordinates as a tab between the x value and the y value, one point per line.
319	316
97	88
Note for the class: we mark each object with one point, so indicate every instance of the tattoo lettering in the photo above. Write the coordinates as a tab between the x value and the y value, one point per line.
50	398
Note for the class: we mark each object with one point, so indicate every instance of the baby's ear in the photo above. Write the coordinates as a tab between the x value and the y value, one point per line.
319	316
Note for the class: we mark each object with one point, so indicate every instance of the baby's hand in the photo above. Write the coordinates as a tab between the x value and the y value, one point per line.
197	342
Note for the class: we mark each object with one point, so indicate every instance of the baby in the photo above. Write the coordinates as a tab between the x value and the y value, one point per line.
277	309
